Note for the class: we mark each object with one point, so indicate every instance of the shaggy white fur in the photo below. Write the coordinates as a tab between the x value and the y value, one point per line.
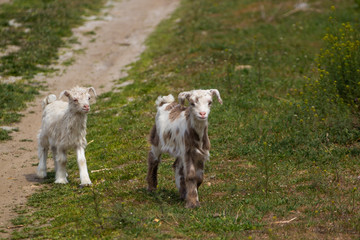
64	128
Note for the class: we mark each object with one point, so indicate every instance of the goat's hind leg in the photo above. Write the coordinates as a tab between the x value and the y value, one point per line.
54	151
179	177
200	164
191	183
42	153
153	164
60	173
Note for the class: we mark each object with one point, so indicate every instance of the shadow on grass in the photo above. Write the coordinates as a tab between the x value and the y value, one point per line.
32	177
161	196
50	178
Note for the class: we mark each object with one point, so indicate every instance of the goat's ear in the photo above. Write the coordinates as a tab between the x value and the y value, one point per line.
65	92
182	96
91	89
217	94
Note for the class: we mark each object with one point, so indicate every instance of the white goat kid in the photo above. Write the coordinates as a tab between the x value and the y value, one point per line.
64	128
182	132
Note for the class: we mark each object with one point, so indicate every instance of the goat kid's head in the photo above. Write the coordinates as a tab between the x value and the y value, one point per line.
79	98
200	102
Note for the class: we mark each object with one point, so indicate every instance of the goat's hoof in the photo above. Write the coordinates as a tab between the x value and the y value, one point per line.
85	181
85	184
192	205
61	181
151	189
183	196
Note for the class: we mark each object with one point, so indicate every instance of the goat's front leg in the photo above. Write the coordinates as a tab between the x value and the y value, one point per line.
81	160
153	164
84	174
192	198
60	174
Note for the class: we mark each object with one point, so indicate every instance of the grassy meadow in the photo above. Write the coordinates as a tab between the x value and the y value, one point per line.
285	144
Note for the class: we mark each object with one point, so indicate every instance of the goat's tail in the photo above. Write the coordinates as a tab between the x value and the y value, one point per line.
49	99
161	100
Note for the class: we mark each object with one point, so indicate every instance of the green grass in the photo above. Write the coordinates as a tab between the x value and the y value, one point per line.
37	29
13	98
271	160
4	135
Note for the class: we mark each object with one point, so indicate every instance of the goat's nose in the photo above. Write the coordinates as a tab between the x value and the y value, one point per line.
202	114
86	106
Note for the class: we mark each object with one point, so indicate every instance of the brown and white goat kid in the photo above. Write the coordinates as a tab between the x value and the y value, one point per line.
63	128
183	133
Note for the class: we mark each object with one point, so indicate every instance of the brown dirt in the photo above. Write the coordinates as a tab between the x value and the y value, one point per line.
120	34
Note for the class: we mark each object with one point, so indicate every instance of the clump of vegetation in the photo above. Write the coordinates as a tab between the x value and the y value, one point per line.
13	98
4	135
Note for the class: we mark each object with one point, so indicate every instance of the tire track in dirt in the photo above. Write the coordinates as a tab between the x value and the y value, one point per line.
119	40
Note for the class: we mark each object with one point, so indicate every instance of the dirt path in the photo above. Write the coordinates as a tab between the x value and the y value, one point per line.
119	38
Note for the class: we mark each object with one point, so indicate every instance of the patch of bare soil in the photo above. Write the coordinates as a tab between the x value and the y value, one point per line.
119	37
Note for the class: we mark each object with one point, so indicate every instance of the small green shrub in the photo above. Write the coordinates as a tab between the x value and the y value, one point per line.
327	101
4	135
339	63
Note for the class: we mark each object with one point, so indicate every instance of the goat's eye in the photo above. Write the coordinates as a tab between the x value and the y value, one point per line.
210	103
89	98
75	100
192	104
